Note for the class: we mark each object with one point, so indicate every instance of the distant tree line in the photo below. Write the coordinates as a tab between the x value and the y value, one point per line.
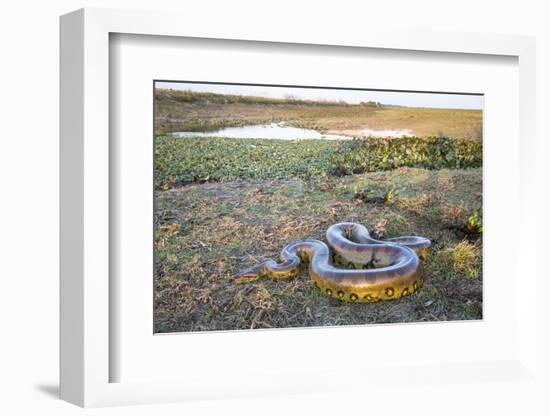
188	96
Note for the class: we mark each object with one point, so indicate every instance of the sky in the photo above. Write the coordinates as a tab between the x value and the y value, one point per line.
404	98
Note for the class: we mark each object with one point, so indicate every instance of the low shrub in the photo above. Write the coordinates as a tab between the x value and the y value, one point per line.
179	161
374	154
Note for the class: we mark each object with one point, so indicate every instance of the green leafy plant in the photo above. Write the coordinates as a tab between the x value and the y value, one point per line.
200	159
391	196
374	154
475	222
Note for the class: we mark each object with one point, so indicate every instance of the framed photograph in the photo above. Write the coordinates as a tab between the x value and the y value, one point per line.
279	214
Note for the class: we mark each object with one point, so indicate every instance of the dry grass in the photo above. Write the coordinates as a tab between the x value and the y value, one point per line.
207	232
174	115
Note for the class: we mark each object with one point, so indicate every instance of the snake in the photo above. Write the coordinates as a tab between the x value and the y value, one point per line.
371	270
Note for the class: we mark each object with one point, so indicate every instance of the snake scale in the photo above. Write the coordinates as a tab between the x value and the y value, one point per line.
375	269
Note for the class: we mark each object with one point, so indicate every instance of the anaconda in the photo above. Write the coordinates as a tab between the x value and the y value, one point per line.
375	269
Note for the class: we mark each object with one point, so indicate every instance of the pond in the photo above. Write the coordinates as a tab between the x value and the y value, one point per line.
263	131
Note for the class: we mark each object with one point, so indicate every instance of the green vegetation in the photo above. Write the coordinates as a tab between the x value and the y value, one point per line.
183	161
369	155
475	222
190	160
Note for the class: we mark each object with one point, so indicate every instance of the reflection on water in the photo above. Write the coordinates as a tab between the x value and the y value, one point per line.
263	131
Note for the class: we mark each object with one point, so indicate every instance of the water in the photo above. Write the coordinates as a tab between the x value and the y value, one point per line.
263	131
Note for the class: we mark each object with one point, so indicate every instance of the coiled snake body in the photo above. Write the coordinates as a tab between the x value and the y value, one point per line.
376	269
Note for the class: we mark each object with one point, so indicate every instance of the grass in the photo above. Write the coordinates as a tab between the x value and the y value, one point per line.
184	110
206	232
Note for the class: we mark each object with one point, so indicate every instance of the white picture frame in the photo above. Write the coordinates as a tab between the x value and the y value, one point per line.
86	356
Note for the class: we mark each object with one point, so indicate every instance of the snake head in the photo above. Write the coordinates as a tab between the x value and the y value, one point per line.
248	275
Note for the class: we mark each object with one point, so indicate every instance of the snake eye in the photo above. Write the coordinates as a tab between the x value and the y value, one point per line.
328	291
389	291
340	294
353	297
